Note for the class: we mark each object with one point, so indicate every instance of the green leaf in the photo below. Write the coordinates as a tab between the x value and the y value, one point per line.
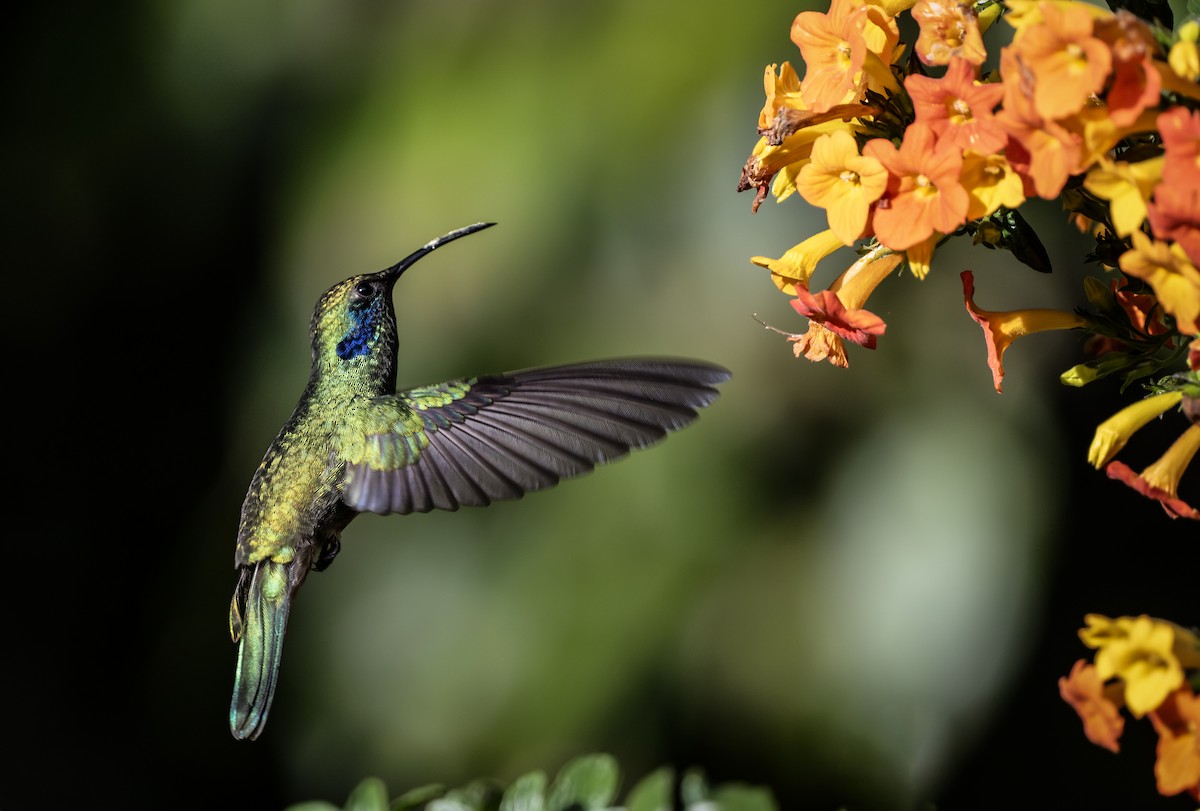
417	797
445	804
369	795
737	797
653	792
480	795
1023	241
693	788
588	782
527	793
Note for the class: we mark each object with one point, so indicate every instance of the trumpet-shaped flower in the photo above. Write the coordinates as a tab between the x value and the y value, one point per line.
920	256
949	29
924	193
958	108
782	91
767	159
859	326
799	262
1069	63
1127	187
1177	722
1102	719
1143	656
1160	481
840	308
1176	281
842	182
1000	329
1112	434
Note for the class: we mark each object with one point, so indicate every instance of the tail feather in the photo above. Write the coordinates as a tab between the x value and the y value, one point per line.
258	620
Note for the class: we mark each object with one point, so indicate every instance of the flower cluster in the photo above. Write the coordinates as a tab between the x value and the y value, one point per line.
906	146
1150	668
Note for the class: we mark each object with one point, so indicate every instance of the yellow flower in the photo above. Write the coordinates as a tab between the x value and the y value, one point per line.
796	266
842	182
1142	654
783	91
920	256
990	182
1112	434
1176	281
1184	58
1127	187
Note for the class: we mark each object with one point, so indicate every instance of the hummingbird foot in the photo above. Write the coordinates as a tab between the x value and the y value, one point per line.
329	551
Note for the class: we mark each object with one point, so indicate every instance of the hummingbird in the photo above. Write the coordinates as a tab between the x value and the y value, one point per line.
354	443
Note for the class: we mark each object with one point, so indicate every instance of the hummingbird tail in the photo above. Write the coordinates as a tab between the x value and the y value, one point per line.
258	619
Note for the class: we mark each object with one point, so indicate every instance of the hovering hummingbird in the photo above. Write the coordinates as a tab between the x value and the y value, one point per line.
356	444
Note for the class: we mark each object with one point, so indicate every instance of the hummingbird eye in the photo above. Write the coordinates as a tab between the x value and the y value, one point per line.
365	289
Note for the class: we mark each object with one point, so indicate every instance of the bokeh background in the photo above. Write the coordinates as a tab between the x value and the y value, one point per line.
855	587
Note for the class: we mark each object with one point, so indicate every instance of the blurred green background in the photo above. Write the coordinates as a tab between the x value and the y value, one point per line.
857	587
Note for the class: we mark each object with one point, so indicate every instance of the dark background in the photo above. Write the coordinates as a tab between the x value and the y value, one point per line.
857	587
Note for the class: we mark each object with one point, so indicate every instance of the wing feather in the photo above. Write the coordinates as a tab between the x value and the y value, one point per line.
497	437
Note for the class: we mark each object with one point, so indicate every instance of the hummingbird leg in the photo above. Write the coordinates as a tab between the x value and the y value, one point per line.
329	551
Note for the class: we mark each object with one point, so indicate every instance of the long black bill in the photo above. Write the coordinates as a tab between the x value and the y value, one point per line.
395	270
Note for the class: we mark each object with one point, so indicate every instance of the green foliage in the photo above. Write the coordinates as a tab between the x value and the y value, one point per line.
588	783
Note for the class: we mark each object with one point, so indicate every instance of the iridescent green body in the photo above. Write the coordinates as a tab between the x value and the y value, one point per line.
356	444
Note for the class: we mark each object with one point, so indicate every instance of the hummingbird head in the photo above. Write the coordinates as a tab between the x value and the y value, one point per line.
354	323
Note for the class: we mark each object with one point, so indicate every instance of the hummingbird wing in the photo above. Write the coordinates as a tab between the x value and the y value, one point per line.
483	439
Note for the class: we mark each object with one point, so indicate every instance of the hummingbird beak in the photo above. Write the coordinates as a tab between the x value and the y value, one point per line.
393	273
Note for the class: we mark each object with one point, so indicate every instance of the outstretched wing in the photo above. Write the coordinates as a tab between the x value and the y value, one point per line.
474	441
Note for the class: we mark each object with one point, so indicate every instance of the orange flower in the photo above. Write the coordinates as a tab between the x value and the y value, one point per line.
1175	214
842	182
1136	84
844	51
1177	722
1084	691
1069	63
1044	153
833	50
1000	329
924	193
1180	129
948	29
958	108
1160	481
